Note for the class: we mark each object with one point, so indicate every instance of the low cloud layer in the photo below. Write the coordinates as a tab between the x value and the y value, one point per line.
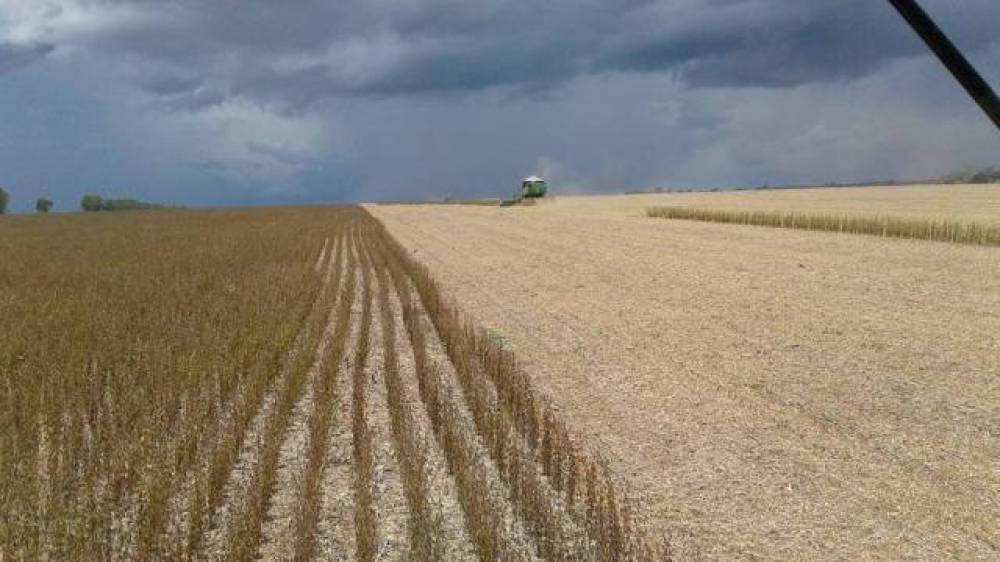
259	101
16	56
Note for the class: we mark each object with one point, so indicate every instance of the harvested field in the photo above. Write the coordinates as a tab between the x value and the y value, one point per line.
769	393
277	384
958	203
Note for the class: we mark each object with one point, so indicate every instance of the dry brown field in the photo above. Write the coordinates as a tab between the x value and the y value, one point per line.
769	393
272	384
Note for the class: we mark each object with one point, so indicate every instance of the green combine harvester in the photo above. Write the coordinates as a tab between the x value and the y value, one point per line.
532	188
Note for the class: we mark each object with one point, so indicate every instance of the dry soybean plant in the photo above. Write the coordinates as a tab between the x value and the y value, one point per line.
159	372
128	344
325	399
425	528
891	227
541	462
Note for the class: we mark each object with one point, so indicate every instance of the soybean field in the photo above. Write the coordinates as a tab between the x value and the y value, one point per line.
273	384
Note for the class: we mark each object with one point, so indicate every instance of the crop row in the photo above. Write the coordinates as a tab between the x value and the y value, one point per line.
289	385
892	227
132	358
539	463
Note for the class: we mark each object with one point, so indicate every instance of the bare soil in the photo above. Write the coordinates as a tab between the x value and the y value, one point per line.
335	528
768	393
442	490
278	531
239	477
387	485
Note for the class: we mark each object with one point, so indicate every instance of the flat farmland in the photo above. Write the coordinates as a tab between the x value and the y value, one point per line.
272	384
768	393
964	203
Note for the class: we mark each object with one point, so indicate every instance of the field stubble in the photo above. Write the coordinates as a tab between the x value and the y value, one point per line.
770	393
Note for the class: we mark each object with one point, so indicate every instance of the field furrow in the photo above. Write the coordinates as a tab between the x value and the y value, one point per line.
388	495
244	539
279	536
342	411
490	518
366	523
335	534
438	524
236	529
306	517
322	256
537	503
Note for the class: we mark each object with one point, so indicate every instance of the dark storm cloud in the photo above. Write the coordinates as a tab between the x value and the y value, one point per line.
168	84
773	44
295	54
16	56
472	67
236	101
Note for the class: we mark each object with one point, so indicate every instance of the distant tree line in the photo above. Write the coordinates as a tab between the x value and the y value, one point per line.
42	205
90	203
93	203
972	175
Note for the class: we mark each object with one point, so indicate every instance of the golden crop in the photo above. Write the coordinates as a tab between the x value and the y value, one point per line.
155	368
964	232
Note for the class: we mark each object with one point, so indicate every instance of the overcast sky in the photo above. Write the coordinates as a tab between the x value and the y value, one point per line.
231	102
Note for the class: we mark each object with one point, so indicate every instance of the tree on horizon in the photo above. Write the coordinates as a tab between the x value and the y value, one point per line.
91	202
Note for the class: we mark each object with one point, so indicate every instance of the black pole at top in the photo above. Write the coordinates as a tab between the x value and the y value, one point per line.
952	58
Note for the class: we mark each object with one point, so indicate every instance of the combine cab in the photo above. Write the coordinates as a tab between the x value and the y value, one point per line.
532	188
